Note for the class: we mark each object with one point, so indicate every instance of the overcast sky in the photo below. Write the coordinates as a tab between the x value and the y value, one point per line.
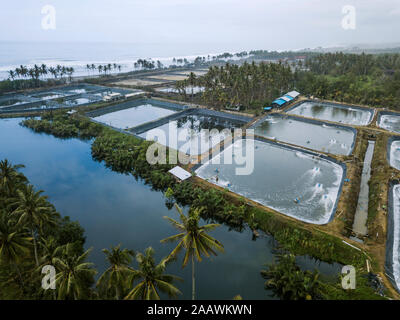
233	24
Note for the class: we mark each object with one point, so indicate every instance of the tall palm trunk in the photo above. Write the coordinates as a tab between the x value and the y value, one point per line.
35	248
193	280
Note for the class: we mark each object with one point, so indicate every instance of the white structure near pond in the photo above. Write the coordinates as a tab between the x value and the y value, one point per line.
180	173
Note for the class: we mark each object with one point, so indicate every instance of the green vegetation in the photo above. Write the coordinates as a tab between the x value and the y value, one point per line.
33	235
153	279
35	77
30	230
379	169
288	282
113	282
353	78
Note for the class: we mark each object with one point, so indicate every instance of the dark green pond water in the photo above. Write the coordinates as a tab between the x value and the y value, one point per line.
114	208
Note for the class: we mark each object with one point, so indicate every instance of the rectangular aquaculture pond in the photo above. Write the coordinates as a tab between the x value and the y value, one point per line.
307	133
296	183
192	134
394	152
136	115
333	112
392	263
389	121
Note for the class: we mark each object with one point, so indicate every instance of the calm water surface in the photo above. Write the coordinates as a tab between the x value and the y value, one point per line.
310	135
289	181
114	208
390	122
132	117
336	113
192	134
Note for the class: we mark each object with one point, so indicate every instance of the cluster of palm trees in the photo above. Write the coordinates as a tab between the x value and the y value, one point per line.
26	218
42	71
251	85
144	64
103	68
182	85
287	281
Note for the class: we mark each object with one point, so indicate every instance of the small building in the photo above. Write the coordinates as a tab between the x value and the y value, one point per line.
278	103
293	94
235	107
288	97
180	173
266	109
112	96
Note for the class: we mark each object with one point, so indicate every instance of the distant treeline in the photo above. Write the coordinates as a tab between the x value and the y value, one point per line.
353	78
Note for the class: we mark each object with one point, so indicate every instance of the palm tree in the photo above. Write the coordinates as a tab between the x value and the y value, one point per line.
72	273
33	211
12	74
115	277
10	178
287	281
50	250
193	238
192	81
153	279
14	243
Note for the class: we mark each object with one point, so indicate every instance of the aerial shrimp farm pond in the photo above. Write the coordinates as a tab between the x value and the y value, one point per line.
392	265
194	133
333	112
394	153
297	183
131	114
389	121
311	134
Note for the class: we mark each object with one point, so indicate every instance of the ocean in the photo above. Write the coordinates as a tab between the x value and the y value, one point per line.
78	55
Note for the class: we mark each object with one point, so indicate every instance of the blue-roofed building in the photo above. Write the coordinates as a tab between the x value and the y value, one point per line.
290	96
279	102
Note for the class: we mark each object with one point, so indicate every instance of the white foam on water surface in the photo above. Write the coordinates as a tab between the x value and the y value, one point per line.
395	154
388	122
313	194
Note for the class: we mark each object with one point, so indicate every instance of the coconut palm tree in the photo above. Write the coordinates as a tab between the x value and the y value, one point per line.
10	178
192	81
152	279
73	273
114	279
193	239
14	243
12	74
50	249
33	211
287	281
